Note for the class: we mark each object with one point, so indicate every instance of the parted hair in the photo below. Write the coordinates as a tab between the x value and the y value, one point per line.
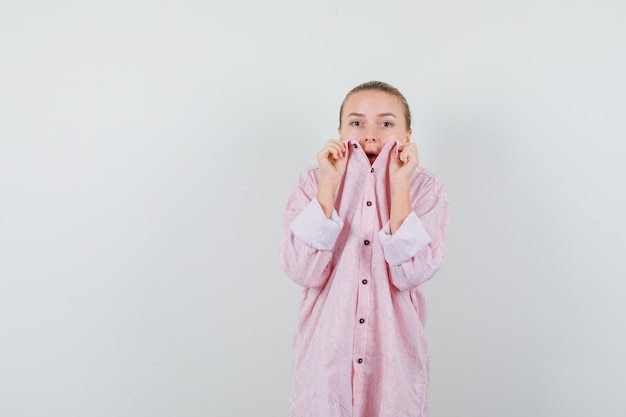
380	86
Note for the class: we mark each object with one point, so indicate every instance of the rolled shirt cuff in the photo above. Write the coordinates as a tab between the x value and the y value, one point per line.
409	239
313	227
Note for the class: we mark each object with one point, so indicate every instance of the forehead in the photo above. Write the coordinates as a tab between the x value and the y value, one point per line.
373	101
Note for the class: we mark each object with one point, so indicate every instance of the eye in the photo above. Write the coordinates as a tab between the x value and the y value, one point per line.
387	124
356	123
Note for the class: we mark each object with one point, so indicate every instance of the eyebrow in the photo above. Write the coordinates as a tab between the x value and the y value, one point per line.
380	115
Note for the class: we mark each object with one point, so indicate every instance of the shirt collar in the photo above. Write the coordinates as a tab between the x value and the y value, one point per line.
390	148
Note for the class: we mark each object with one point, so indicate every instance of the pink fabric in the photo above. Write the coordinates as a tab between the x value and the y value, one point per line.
360	349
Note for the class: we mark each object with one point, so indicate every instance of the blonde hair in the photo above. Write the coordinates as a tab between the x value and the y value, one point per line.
384	87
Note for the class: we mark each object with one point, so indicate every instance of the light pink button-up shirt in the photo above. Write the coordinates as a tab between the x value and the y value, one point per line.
360	348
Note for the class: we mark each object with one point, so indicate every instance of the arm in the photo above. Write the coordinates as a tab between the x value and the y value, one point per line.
415	251
311	224
332	161
401	169
308	236
413	239
400	203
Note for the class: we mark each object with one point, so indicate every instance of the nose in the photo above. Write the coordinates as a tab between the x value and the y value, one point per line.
370	134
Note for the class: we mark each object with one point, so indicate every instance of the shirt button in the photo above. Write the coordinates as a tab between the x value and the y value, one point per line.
364	282
366	242
372	170
362	321
354	144
369	203
360	360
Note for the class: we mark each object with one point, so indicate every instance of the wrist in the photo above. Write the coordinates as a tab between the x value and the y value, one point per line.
400	185
326	195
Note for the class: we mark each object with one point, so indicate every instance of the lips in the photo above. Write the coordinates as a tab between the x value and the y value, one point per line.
371	157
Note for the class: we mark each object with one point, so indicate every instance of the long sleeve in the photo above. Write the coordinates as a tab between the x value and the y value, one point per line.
415	252
308	236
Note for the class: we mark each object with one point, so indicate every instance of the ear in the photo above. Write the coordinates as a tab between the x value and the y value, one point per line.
407	139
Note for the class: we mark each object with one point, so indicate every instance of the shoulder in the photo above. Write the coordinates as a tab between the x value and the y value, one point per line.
308	181
425	184
310	175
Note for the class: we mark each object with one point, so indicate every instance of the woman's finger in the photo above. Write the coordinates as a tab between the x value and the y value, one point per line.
336	148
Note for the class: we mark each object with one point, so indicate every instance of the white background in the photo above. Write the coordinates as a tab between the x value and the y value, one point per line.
147	150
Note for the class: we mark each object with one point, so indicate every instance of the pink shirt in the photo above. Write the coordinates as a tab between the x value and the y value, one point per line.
360	348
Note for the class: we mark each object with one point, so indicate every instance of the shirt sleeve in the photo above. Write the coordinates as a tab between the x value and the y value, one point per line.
414	252
308	237
312	227
409	239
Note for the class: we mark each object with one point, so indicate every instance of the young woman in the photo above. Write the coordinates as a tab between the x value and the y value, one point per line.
362	233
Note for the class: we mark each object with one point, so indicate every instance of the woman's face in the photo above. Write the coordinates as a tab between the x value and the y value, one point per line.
373	118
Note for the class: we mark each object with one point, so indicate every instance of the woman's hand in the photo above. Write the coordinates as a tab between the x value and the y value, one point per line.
332	161
402	168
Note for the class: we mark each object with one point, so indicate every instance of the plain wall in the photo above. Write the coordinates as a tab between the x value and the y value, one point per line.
147	150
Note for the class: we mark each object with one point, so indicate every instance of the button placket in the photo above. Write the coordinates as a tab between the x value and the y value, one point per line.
369	223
